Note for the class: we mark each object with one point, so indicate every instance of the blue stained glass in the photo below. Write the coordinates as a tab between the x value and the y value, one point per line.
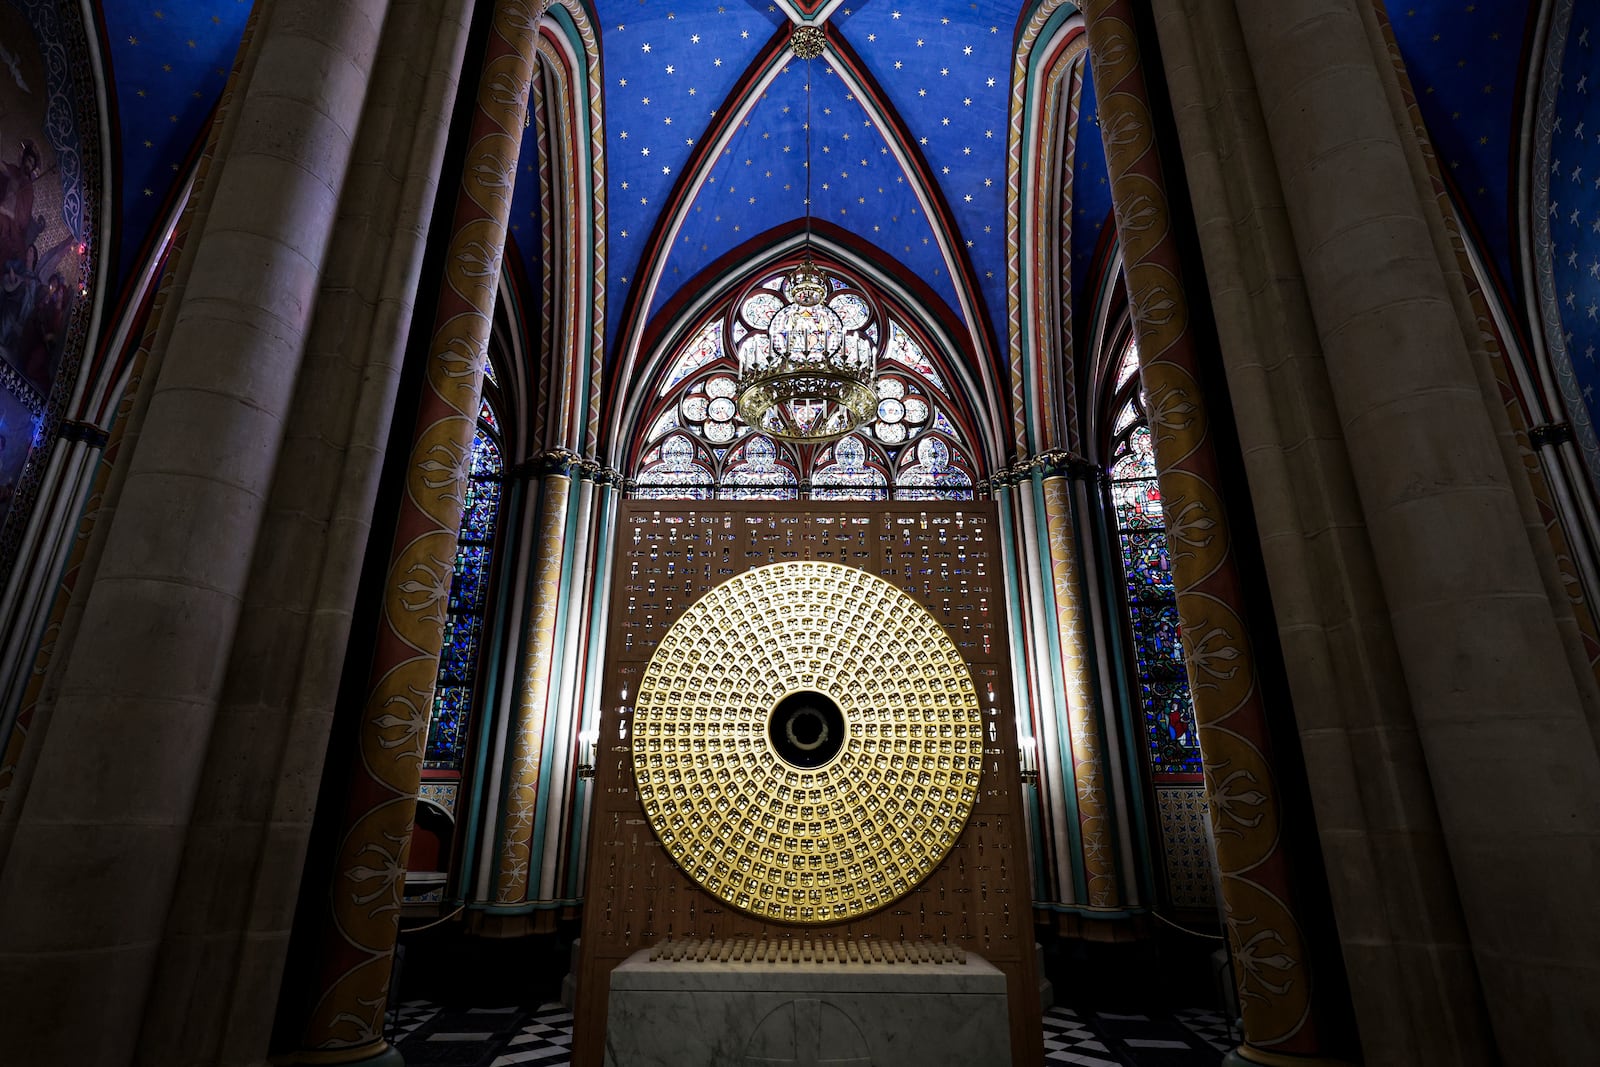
470	584
1171	739
1170	726
487	416
705	348
672	472
1149	573
696	447
483	505
469	594
848	477
486	462
906	352
447	734
460	655
933	476
756	474
1158	636
1138	502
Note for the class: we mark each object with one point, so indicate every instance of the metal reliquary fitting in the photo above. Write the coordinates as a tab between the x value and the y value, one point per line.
775	773
808	42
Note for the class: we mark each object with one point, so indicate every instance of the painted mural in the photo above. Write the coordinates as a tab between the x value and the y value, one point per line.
45	206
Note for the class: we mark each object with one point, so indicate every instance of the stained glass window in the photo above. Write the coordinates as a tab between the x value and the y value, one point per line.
934	472
845	473
469	594
1169	724
755	472
697	447
674	471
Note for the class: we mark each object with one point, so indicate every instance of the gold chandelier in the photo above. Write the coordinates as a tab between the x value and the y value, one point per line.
814	379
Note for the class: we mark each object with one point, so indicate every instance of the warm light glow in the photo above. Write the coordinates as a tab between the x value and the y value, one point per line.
813	378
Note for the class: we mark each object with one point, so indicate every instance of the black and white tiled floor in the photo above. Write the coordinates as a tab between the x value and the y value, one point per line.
1189	1038
430	1036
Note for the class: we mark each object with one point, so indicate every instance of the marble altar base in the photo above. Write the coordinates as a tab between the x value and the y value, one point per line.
682	1013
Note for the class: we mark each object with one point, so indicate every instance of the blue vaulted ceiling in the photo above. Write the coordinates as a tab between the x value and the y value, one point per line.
669	70
759	180
1092	225
167	61
1467	63
909	141
946	70
930	78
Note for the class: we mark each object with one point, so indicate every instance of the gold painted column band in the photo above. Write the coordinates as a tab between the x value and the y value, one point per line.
57	624
1271	969
1088	747
346	1022
533	689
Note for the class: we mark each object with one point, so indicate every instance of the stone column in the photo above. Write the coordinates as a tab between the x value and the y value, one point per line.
534	681
1541	516
1412	977
1272	967
362	924
1017	491
90	873
1083	715
220	973
96	507
1490	685
83	557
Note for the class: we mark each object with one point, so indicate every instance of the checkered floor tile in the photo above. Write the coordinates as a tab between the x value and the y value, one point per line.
406	1018
1210	1026
546	1038
1069	1039
508	1037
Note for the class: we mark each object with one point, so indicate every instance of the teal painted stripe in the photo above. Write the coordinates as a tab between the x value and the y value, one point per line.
558	642
527	907
1131	729
1091	913
1058	691
1008	535
1030	105
605	537
509	536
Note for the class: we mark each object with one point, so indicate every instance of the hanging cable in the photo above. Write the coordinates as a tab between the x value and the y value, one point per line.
808	155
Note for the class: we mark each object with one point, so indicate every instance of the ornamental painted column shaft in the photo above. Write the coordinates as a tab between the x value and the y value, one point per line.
1083	721
534	683
346	1022
1272	970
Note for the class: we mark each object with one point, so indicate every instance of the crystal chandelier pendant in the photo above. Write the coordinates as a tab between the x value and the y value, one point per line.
813	379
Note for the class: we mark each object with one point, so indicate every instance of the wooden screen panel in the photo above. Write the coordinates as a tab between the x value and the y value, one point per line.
947	557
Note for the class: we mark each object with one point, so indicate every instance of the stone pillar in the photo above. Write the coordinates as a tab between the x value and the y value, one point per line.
1541	516
98	507
220	973
1490	685
1083	715
90	873
362	924
1413	981
534	681
1272	967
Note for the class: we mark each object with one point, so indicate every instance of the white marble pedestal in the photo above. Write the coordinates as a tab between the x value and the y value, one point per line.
818	1014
